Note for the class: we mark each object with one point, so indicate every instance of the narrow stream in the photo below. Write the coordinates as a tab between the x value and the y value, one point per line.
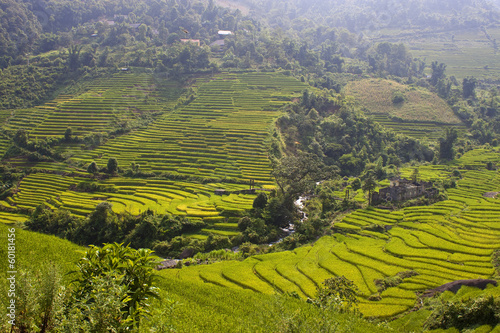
299	203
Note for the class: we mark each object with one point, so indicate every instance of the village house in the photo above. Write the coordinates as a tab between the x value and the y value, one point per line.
135	25
403	189
218	43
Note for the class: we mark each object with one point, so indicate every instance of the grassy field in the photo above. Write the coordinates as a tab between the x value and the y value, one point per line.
420	105
465	52
450	240
197	307
422	114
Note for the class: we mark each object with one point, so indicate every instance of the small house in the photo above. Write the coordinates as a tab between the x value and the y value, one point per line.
221	192
108	22
224	33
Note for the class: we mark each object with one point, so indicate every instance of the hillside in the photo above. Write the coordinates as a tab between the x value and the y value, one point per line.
242	141
467	52
236	310
410	110
376	96
214	140
450	240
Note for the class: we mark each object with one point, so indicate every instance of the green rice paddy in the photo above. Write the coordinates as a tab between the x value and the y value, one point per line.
221	134
450	240
466	52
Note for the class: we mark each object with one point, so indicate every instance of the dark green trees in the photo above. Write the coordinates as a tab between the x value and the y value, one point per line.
369	186
469	86
68	134
92	168
21	138
446	151
438	72
112	165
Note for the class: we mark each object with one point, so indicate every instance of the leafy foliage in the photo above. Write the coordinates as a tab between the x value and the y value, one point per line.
446	151
118	265
337	292
465	313
331	130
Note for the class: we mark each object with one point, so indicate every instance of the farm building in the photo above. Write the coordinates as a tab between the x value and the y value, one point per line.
218	43
223	33
403	189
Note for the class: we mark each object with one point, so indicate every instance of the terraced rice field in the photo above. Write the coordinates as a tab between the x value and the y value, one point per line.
450	240
195	201
466	52
418	130
108	103
221	133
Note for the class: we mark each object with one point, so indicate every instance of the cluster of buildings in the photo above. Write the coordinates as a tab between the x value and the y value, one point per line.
404	189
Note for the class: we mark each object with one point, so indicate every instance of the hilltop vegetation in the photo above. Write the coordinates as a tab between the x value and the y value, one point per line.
400	102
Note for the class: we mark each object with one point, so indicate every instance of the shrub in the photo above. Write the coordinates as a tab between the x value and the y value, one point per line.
338	292
112	165
260	201
467	313
393	281
121	275
398	97
456	173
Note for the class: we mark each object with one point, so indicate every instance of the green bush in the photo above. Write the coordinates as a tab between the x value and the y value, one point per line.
398	97
121	275
464	314
338	293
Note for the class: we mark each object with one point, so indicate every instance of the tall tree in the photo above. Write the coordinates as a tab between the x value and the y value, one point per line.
112	165
74	57
438	72
468	87
68	134
92	168
369	186
446	151
296	175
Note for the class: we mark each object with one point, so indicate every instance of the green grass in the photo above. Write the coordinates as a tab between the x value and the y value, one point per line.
422	115
198	306
375	96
